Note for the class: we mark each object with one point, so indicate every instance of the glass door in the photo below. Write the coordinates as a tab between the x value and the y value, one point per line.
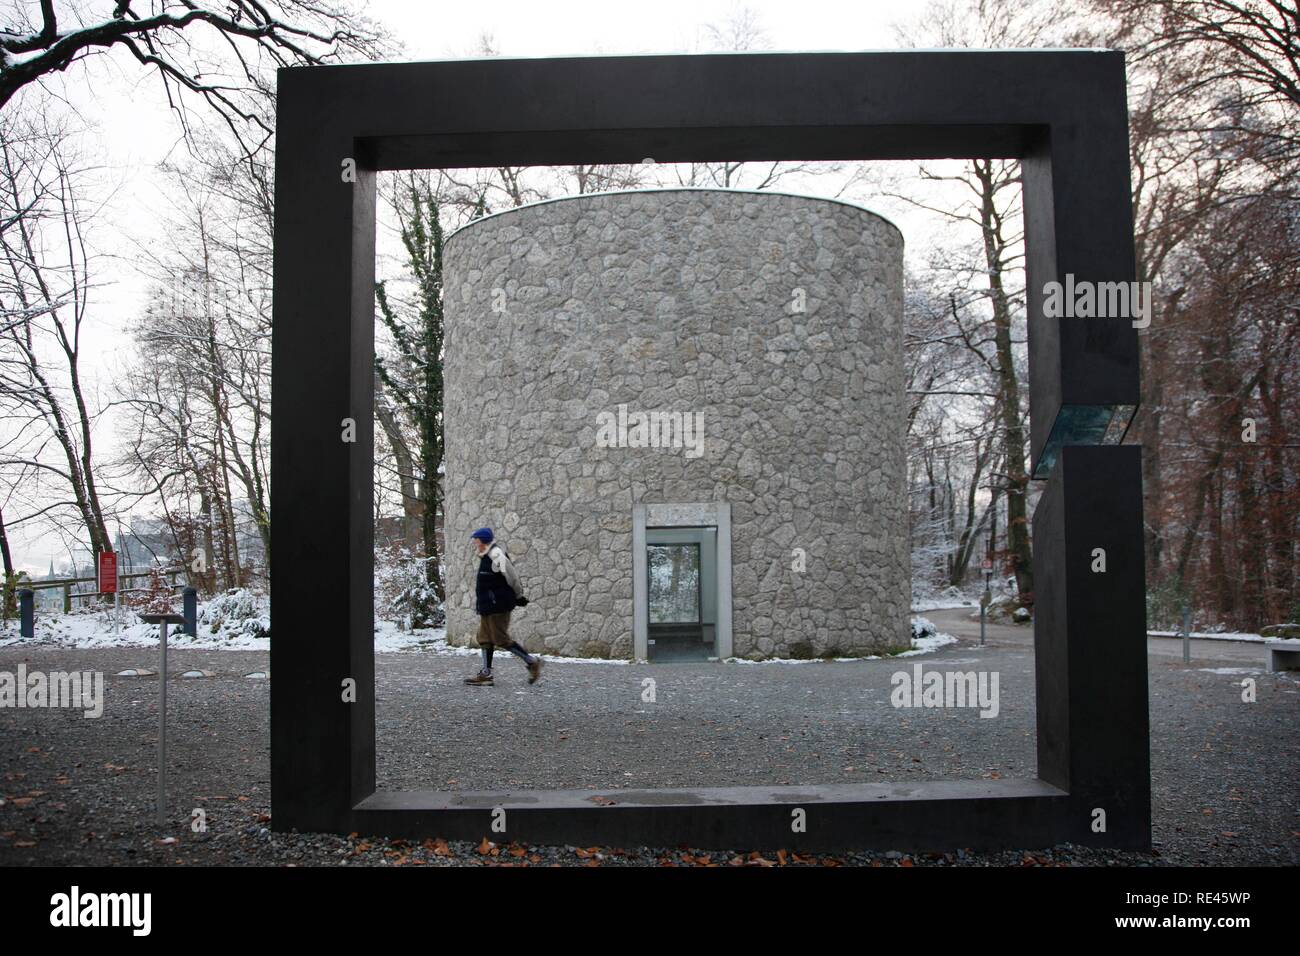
681	591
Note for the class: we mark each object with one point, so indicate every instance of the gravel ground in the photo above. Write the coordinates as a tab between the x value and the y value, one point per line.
78	791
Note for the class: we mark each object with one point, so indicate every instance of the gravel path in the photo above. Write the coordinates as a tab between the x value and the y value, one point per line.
1224	773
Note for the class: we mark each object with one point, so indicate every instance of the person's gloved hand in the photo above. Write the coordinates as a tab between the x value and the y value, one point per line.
521	601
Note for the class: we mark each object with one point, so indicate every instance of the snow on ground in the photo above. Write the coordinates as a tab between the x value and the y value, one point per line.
1219	636
943	604
920	645
948	598
391	637
926	645
97	630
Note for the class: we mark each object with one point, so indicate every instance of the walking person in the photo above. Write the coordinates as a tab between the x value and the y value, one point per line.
497	593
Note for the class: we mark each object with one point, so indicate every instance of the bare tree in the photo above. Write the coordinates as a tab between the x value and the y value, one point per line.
199	389
988	200
951	431
1213	119
44	299
220	52
1244	55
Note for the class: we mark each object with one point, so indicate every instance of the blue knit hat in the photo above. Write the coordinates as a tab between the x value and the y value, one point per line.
483	534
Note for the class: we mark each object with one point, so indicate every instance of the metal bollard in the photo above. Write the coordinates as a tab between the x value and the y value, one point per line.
985	599
162	620
27	613
162	726
190	612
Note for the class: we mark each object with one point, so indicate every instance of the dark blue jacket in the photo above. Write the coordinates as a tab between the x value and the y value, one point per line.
493	591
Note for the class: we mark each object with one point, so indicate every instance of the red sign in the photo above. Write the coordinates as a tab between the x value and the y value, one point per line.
107	572
988	564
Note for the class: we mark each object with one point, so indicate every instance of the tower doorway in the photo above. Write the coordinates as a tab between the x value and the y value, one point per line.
682	594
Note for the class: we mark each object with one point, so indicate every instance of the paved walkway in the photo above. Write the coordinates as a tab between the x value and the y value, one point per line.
1224	772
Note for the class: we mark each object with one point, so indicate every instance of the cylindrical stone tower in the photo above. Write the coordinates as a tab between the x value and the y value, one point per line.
736	355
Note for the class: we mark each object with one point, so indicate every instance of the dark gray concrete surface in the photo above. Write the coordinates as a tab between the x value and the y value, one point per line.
1224	772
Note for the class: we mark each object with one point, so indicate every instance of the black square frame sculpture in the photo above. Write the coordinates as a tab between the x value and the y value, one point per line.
1062	113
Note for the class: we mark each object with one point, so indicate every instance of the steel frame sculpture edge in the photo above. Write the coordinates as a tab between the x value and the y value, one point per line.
1061	112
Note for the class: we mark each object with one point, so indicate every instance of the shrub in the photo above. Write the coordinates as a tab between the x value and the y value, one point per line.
237	612
402	594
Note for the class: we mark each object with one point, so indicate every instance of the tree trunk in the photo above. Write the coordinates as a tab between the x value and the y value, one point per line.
10	591
1017	481
412	506
1252	538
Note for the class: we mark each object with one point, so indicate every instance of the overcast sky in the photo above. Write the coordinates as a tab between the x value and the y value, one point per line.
134	131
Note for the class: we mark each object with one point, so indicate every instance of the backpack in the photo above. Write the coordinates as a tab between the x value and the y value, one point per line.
520	600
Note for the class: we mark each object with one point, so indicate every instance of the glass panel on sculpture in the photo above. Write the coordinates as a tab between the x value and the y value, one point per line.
1083	425
674	583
